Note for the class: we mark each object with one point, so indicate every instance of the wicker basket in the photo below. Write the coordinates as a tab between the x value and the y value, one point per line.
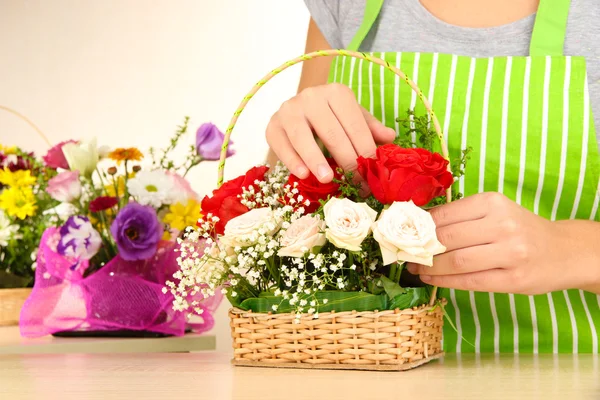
392	340
371	340
11	302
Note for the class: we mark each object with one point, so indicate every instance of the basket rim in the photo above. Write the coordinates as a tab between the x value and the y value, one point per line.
235	311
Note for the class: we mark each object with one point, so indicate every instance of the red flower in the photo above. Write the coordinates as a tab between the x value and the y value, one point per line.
225	203
313	190
103	203
399	174
15	163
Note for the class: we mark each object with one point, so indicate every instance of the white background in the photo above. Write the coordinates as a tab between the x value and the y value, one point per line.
128	71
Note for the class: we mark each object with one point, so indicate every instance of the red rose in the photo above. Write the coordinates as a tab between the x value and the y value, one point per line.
225	203
399	174
103	203
312	190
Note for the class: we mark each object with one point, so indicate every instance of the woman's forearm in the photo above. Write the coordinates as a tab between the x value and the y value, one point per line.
583	240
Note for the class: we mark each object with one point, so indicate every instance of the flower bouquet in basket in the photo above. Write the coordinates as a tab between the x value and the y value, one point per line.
102	263
315	271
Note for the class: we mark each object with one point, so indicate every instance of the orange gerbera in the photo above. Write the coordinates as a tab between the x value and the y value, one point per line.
128	154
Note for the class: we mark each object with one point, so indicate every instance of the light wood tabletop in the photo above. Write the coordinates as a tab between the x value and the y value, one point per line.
209	375
11	342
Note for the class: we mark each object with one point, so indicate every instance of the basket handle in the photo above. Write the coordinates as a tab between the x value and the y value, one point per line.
27	121
346	53
325	53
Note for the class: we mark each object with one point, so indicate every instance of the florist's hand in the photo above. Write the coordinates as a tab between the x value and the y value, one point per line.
495	245
332	113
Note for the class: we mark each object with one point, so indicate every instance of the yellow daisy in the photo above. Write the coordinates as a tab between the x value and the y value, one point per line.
18	202
21	178
181	216
128	154
8	149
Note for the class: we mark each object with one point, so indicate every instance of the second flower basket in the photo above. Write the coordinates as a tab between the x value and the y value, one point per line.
346	338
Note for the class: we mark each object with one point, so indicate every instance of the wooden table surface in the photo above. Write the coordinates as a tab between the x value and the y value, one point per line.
11	342
209	375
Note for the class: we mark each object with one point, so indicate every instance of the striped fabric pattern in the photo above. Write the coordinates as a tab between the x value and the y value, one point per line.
529	123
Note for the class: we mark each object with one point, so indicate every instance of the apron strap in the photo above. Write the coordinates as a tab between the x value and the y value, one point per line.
549	31
372	9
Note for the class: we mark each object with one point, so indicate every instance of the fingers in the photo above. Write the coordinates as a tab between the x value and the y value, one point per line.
333	114
381	133
467	234
468	209
300	135
281	145
463	261
494	280
329	129
346	110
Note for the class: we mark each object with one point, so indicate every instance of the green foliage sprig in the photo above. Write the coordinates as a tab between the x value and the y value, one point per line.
418	131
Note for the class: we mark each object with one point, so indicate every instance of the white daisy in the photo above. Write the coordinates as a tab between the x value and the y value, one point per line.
61	212
153	188
7	231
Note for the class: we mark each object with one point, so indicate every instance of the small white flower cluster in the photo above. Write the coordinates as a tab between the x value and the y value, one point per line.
267	193
307	276
202	270
7	231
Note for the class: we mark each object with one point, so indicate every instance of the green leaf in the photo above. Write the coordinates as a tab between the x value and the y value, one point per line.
439	304
412	297
11	281
391	288
338	301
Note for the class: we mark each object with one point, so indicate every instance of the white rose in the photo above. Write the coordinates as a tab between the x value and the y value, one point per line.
348	223
303	235
406	232
246	229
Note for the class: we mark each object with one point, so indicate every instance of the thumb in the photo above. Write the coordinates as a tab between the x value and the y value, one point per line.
381	133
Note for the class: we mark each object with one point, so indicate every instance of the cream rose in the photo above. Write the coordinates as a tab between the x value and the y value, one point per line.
406	232
246	229
302	236
348	223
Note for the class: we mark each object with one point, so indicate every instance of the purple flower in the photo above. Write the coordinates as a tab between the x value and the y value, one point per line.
78	239
137	232
209	140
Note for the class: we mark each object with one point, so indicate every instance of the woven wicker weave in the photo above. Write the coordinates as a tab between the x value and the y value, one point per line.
372	340
11	302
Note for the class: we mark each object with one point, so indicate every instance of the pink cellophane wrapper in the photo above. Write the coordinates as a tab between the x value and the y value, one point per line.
122	295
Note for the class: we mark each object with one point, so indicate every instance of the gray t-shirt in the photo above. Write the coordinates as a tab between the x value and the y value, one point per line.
406	25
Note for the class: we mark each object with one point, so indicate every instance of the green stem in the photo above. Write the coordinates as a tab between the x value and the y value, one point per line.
399	270
272	270
393	269
125	188
192	165
101	180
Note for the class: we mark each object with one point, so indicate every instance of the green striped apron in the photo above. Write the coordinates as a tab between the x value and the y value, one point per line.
529	122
